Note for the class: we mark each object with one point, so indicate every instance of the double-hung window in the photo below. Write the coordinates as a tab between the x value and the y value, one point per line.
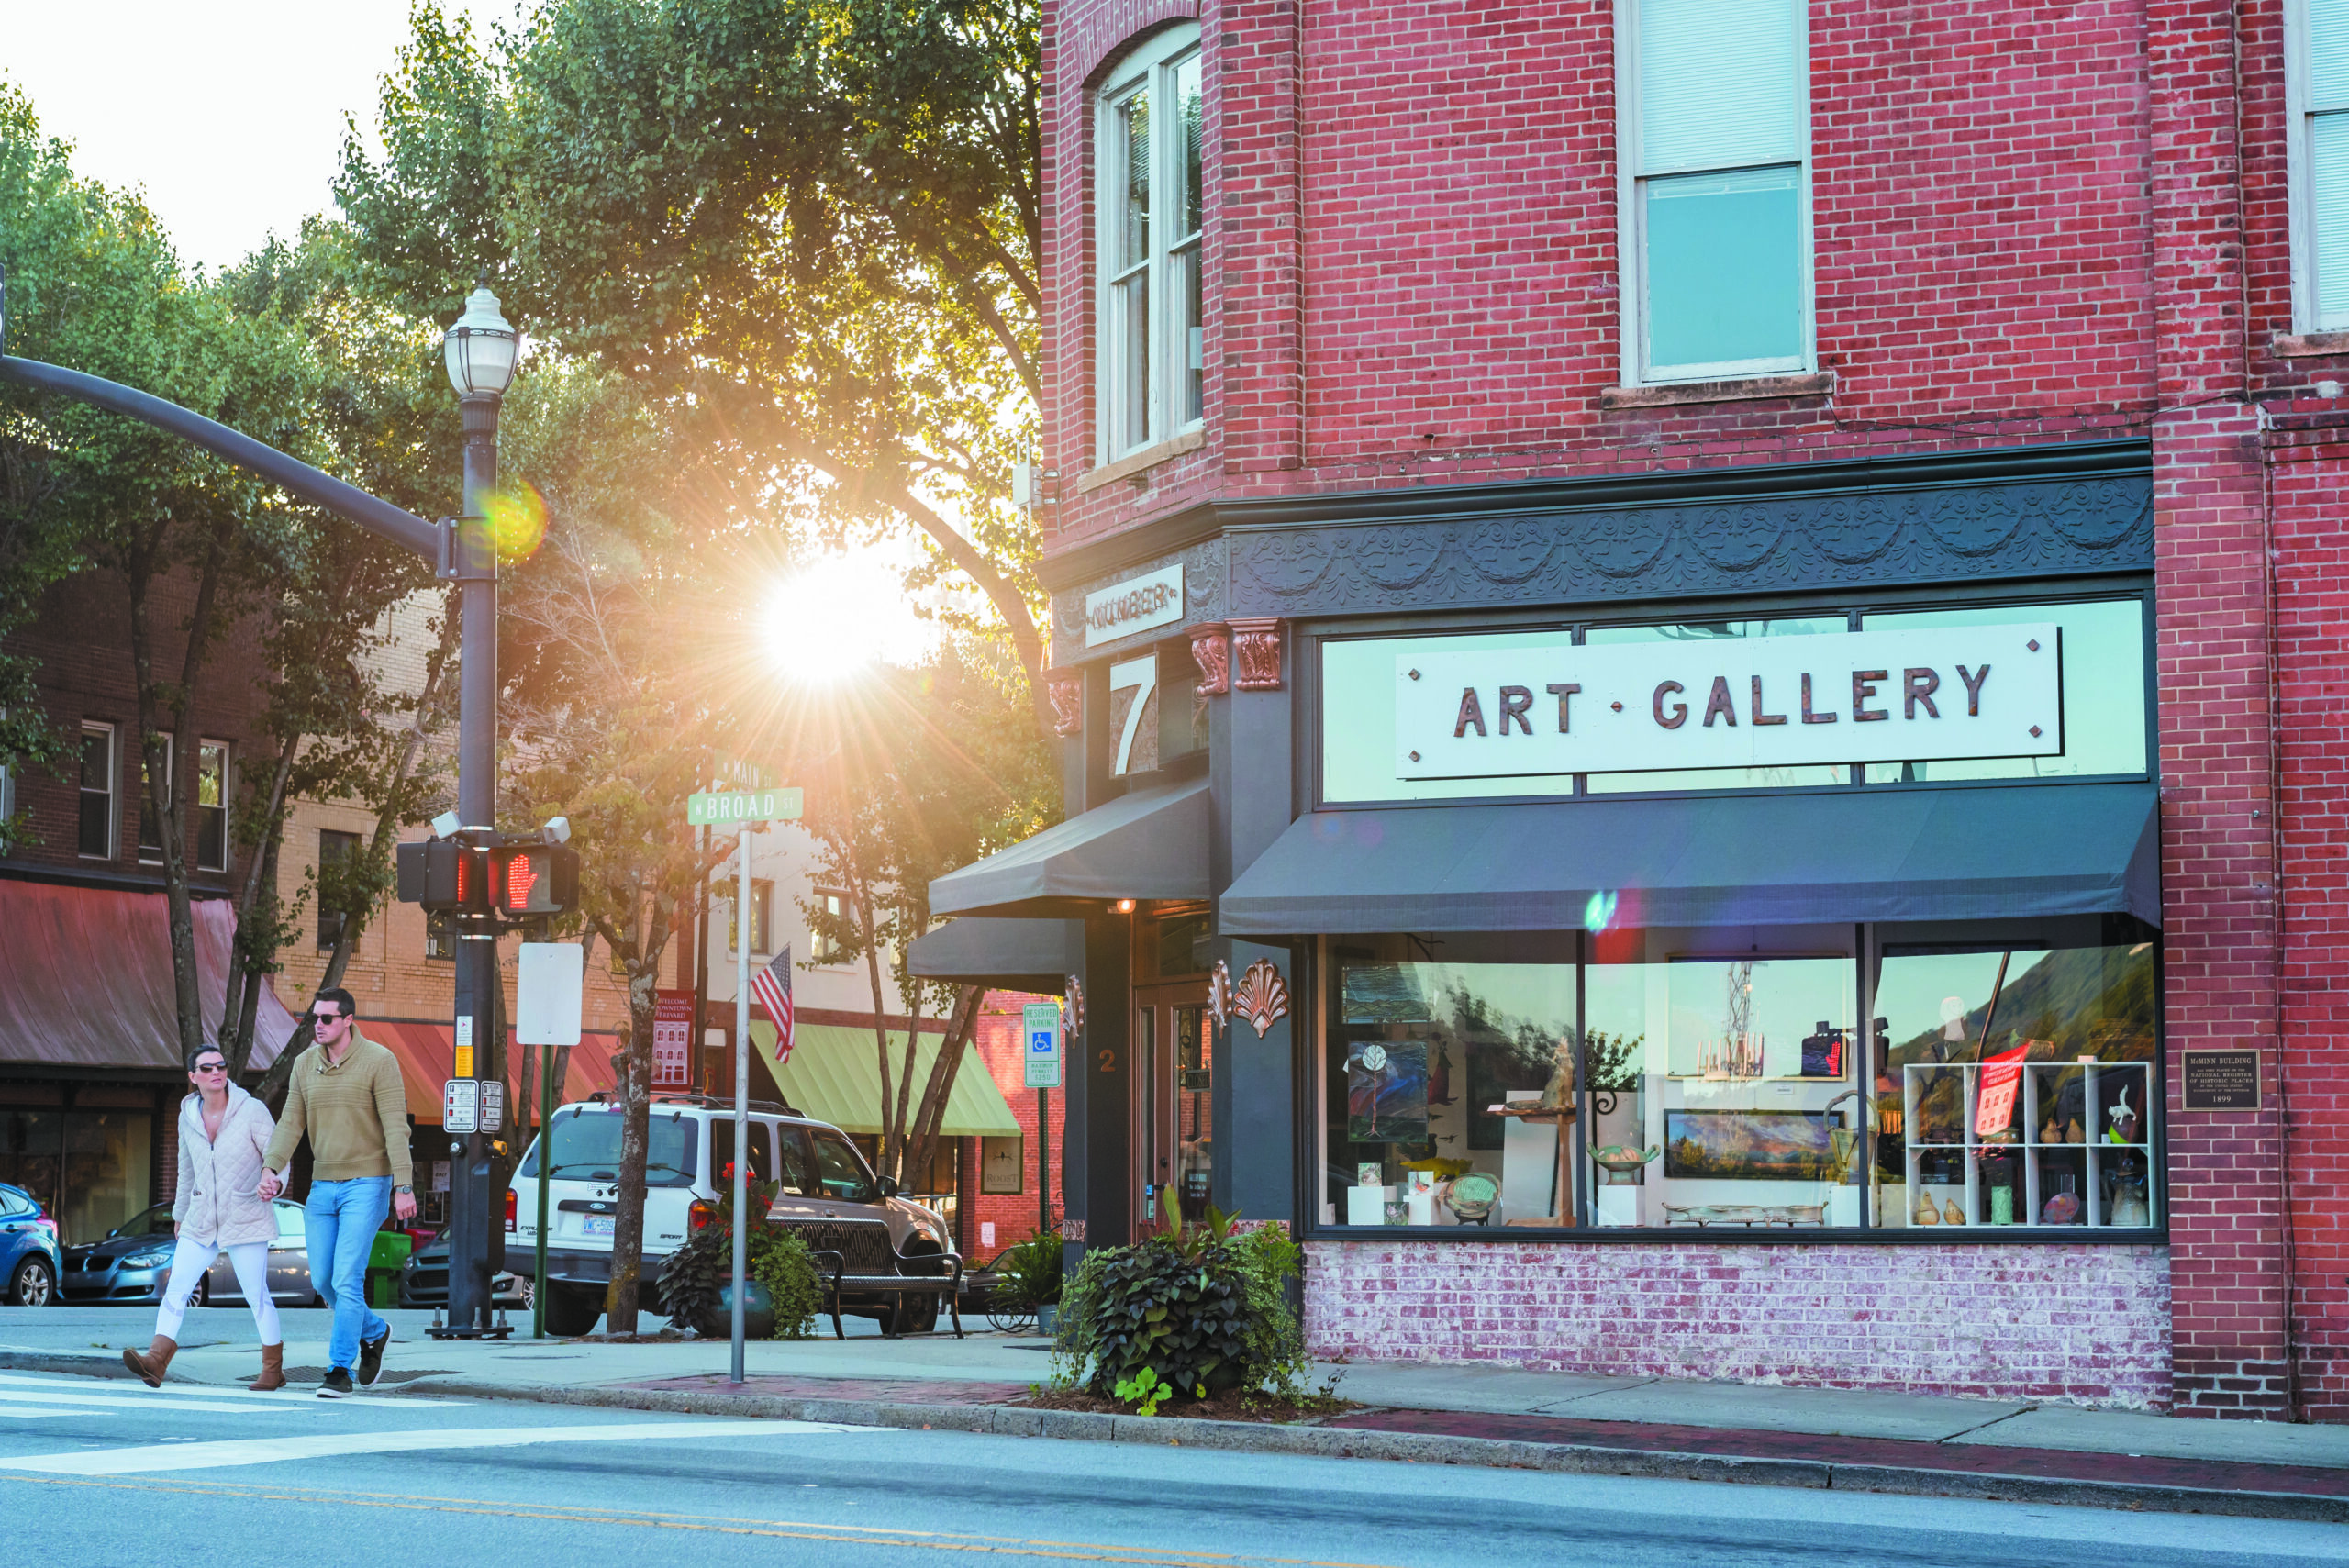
95	825
212	806
2319	145
1715	220
1151	219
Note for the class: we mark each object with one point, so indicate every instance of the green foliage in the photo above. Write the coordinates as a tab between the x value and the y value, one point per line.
697	1273
1275	1345
1146	1393
1029	1270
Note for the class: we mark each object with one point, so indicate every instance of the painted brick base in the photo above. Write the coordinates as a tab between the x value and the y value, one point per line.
2089	1325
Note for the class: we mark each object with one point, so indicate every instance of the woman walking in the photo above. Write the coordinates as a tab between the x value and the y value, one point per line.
223	1132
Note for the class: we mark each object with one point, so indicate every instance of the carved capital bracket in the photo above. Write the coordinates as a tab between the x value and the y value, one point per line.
1066	689
1256	644
1211	652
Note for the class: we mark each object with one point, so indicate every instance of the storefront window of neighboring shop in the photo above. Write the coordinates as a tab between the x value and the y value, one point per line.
1726	1084
88	1168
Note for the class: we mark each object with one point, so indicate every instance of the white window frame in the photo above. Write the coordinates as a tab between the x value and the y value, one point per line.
822	948
2300	208
1152	65
171	784
196	808
1631	228
114	781
761	903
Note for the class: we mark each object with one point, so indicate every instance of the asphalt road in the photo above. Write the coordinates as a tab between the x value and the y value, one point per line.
97	1470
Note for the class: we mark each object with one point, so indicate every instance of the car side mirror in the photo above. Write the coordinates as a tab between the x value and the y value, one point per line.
886	1186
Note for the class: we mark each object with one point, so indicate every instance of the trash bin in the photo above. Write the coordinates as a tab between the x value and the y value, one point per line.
384	1260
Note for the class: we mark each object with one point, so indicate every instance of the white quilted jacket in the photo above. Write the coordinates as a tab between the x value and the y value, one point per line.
220	1193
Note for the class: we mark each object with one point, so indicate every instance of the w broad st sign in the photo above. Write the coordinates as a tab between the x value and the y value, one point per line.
1862	696
724	810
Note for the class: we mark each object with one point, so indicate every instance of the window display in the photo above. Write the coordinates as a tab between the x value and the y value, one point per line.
1724	1081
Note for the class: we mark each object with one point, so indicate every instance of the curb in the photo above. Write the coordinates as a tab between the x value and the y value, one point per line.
1417	1448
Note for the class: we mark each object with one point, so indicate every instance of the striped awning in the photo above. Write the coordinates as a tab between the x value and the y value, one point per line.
832	1076
428	1053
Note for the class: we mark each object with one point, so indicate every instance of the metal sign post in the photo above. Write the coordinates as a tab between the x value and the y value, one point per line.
749	808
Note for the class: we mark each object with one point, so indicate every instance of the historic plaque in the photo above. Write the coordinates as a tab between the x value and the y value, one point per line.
2221	1080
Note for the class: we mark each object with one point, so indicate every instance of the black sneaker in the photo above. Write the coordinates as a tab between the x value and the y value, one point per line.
371	1357
336	1384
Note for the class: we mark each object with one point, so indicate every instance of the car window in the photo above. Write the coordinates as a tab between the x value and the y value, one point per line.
799	1166
13	1206
588	1148
721	1152
289	1222
840	1169
155	1221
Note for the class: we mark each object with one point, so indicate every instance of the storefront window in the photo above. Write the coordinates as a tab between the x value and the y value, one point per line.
1448	1086
1728	1082
106	1157
1723	1079
1358	721
2104	692
2016	1085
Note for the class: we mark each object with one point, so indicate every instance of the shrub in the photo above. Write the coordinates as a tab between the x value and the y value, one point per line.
697	1274
1029	1270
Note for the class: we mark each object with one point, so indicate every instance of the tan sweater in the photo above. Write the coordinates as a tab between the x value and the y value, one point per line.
355	1112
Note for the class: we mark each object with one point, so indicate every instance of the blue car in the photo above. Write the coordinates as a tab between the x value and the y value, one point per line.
29	1255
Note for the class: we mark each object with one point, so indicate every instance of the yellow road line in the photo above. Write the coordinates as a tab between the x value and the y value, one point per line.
793	1529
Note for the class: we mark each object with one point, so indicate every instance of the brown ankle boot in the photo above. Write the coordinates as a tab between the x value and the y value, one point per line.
272	1369
149	1367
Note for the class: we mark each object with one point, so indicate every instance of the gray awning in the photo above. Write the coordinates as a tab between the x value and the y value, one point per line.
1894	854
1010	955
1149	844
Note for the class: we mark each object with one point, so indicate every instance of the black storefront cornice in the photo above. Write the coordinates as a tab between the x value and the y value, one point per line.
2128	458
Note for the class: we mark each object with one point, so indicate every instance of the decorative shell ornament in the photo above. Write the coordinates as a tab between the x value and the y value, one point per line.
1073	1006
1262	997
1219	993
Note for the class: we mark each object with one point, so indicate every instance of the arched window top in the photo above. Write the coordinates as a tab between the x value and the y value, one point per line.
1150	214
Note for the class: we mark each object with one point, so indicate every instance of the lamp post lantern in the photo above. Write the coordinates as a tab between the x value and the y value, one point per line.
480	349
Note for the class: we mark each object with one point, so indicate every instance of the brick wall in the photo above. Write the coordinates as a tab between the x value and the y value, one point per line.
2087	1324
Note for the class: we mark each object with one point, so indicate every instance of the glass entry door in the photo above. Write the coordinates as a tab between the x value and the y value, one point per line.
1173	1133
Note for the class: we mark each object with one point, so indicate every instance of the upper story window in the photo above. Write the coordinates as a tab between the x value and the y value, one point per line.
95	825
1151	216
2318	146
212	806
335	847
834	911
762	918
1715	137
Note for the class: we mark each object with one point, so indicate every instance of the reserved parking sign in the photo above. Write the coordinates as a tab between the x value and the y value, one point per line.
1039	1023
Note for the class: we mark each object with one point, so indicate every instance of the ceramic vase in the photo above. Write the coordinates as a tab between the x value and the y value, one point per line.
1926	1213
1951	1214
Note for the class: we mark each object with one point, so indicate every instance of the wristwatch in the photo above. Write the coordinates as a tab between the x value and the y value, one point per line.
410	1191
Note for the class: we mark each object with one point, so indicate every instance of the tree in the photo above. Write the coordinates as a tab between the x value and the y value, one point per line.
808	229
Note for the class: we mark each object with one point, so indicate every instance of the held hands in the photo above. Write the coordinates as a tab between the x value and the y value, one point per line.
269	1185
404	1205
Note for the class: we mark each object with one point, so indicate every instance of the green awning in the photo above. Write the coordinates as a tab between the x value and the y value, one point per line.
832	1077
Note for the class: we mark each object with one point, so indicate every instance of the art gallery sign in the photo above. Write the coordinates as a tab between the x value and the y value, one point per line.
1862	696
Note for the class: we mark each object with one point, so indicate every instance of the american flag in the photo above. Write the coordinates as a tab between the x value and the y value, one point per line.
772	986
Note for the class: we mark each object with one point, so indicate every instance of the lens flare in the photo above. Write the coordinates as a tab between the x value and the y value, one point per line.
517	521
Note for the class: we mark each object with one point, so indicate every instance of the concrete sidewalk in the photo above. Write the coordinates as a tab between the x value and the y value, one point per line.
1481	1415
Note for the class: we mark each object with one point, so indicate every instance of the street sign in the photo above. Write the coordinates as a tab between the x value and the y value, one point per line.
1040	1026
549	981
461	1105
712	809
492	1105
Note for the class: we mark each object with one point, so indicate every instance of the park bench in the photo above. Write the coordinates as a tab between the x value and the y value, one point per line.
856	1257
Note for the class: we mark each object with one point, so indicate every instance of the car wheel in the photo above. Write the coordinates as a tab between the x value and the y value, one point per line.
203	1296
34	1284
572	1310
912	1314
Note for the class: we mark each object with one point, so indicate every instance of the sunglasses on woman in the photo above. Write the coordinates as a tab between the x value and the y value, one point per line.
211	1067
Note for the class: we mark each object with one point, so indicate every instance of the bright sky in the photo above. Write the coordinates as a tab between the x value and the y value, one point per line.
229	114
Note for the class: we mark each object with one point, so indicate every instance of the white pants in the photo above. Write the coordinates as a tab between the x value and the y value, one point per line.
190	1258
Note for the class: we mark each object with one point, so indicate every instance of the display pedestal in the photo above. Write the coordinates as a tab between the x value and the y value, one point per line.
1366	1206
1617	1206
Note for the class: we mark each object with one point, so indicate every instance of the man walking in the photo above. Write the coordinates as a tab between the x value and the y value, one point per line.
346	1092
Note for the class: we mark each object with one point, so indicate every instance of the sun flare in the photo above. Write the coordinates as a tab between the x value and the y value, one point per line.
838	613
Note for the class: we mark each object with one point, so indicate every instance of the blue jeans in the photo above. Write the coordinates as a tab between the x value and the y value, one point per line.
341	1219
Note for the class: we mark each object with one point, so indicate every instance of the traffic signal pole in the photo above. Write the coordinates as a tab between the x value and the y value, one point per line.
471	1177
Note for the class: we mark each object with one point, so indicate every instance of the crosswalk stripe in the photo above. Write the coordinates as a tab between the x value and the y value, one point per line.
271	1451
303	1393
66	1403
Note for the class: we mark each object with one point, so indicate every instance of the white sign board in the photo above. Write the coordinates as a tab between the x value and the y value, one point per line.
1137	604
1862	696
461	1105
1040	1034
550	981
492	1105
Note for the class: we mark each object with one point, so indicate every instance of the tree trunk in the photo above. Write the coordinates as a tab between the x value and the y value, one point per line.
960	1024
243	1005
860	892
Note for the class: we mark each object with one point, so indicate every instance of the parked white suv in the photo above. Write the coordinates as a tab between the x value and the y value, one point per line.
691	1143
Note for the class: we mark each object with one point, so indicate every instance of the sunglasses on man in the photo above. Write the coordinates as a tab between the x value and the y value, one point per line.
329	1016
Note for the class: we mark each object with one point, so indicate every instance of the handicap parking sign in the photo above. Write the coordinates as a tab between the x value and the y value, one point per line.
1040	1021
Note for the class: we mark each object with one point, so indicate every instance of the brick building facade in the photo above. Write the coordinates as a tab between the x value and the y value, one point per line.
1996	316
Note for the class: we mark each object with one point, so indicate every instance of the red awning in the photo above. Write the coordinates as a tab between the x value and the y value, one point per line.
86	979
428	1055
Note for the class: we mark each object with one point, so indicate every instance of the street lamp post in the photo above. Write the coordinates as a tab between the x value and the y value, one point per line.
480	349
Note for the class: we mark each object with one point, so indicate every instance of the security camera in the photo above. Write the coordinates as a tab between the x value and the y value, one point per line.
557	830
446	824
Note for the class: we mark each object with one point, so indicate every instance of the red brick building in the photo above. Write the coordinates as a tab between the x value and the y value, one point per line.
1611	374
